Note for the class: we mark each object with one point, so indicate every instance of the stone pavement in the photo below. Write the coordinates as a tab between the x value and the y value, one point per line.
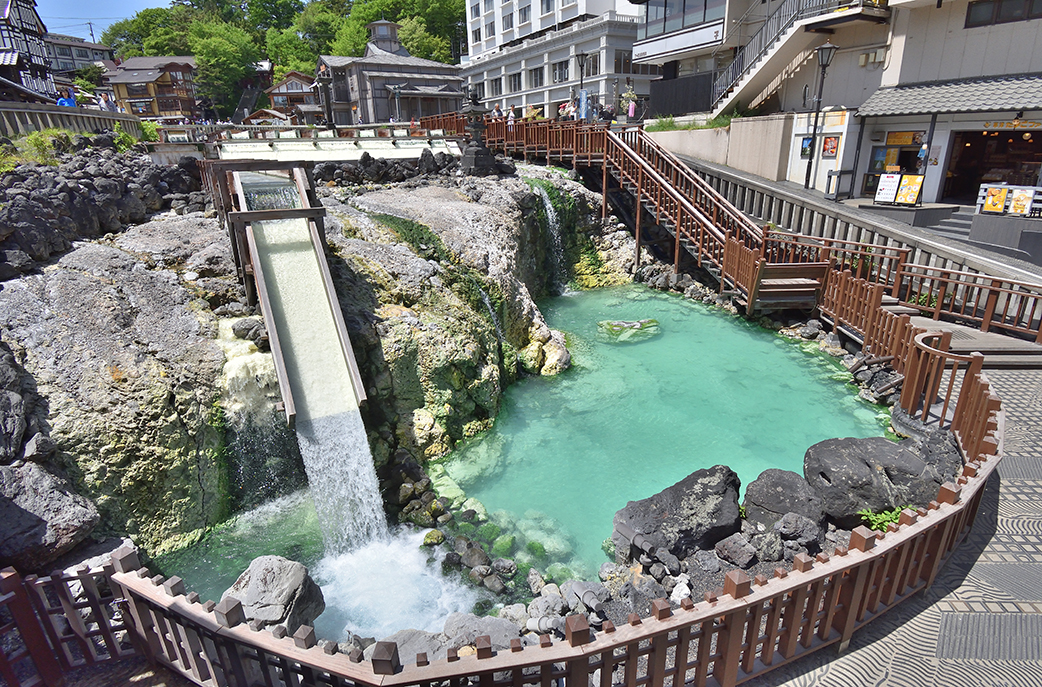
981	622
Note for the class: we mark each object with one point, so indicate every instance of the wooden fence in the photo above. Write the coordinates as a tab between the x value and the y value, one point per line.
18	119
747	628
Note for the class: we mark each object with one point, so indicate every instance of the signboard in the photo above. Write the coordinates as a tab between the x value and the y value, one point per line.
909	189
995	199
905	138
829	146
886	191
584	104
805	147
1021	200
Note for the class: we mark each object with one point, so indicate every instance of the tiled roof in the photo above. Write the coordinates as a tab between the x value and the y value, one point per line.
135	76
140	63
409	75
1008	93
375	55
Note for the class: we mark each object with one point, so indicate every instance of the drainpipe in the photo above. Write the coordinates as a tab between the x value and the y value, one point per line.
857	157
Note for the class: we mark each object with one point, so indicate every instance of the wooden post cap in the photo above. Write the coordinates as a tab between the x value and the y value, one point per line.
802	562
256	624
633	619
710	596
949	493
355	655
577	630
229	612
760	580
660	609
328	646
908	517
545	641
687	604
737	584
822	557
452	655
608	626
304	637
781	573
193	597
516	645
279	631
483	644
175	586
385	658
125	559
862	539
421	659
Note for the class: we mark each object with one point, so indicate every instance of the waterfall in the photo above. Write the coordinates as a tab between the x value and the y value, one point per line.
553	227
330	432
491	312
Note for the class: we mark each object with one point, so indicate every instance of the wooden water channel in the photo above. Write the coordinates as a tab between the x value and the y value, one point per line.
746	629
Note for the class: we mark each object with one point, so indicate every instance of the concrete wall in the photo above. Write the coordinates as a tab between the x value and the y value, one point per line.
758	145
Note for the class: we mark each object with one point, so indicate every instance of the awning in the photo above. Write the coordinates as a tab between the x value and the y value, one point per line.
1010	93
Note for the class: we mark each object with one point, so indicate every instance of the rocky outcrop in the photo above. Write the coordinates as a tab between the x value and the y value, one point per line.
694	513
43	518
278	591
370	170
777	492
463	628
874	473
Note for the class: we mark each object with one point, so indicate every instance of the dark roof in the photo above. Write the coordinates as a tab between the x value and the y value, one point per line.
135	76
72	42
140	63
1009	93
307	107
375	55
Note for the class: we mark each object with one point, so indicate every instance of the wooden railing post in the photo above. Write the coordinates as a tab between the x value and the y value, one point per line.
989	305
21	610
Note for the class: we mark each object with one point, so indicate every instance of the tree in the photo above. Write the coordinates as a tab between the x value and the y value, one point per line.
127	37
262	15
167	41
288	52
91	74
224	55
317	26
414	36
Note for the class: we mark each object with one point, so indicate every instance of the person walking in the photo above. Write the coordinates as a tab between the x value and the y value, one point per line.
69	100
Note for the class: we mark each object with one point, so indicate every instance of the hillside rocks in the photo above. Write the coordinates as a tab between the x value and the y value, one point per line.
91	192
278	591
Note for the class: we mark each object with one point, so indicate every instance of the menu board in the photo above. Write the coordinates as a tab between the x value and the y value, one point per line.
909	189
1021	200
886	191
995	199
905	138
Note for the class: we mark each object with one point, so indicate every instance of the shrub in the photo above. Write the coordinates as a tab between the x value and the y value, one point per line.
879	521
123	140
149	131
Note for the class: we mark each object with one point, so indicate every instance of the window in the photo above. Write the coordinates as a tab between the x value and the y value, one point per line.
279	101
63	51
80	52
495	86
593	64
490	29
560	71
475	36
294	86
988	12
514	82
546	6
137	90
489	6
624	65
535	77
475	11
66	66
524	14
480	88
508	21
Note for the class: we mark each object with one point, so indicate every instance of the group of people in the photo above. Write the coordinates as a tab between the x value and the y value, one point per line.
104	102
566	111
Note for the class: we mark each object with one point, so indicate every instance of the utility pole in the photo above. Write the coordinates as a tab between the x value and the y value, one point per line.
91	25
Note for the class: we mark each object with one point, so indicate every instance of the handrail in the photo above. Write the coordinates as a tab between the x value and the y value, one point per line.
925	369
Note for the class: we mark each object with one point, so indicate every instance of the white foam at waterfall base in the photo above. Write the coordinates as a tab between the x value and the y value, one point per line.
343	480
385	586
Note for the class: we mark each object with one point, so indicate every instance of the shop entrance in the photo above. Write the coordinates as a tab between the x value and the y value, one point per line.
1011	157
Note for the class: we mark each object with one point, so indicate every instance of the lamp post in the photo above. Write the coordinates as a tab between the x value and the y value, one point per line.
397	90
324	80
580	59
825	54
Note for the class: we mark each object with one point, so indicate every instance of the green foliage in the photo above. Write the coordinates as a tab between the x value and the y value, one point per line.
926	300
414	35
38	146
879	521
84	89
536	549
289	53
522	571
441	23
663	124
489	531
317	26
124	141
224	54
420	238
89	75
127	37
262	15
149	130
741	511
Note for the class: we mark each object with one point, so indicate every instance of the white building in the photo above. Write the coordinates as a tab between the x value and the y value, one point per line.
951	90
529	52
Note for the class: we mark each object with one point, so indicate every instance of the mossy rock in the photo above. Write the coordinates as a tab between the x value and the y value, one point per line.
622	331
489	531
433	538
608	547
466	528
536	549
503	546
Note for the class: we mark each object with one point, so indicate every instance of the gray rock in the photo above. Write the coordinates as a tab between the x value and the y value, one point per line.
708	561
463	628
39	448
547	606
43	518
504	566
853	474
278	591
517	614
802	530
494	584
736	549
694	513
474	556
777	492
535	581
412	642
769	547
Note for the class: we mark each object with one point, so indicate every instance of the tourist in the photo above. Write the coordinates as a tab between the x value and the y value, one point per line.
106	104
511	116
69	100
497	113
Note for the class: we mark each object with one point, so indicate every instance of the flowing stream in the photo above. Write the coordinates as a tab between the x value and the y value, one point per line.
553	227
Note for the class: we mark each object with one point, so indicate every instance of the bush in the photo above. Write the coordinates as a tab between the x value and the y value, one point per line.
149	131
879	521
123	140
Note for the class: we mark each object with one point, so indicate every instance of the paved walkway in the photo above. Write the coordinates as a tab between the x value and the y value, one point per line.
981	622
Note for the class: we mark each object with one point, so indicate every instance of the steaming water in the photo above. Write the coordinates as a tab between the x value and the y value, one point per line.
330	432
374	590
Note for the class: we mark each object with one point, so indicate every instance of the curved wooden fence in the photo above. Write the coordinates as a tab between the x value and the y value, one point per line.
747	628
18	119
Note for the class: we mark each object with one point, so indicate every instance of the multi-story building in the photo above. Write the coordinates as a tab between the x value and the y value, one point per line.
155	87
24	69
951	91
68	53
388	82
542	52
292	92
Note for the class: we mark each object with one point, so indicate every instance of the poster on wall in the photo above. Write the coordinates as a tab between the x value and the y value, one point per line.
878	161
886	191
905	138
1021	200
909	189
995	199
829	146
891	158
805	147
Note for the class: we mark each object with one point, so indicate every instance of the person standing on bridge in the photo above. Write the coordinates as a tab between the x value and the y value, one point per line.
106	104
69	100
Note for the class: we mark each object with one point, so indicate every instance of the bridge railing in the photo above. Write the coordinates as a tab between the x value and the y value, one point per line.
876	263
18	119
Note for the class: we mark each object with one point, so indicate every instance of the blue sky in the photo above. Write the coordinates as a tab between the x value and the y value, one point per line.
70	17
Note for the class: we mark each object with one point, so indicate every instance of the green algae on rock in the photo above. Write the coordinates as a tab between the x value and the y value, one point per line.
629	332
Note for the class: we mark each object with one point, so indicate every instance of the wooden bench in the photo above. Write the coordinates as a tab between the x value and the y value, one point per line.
780	286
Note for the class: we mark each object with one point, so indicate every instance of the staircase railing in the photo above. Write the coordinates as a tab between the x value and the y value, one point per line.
787	14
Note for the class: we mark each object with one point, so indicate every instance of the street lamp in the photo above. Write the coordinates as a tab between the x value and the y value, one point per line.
825	54
397	90
324	81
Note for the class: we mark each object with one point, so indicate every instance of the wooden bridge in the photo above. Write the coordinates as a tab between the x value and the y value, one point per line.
747	628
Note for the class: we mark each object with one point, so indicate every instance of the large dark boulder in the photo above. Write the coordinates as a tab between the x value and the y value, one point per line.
777	492
278	591
42	517
695	513
874	473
